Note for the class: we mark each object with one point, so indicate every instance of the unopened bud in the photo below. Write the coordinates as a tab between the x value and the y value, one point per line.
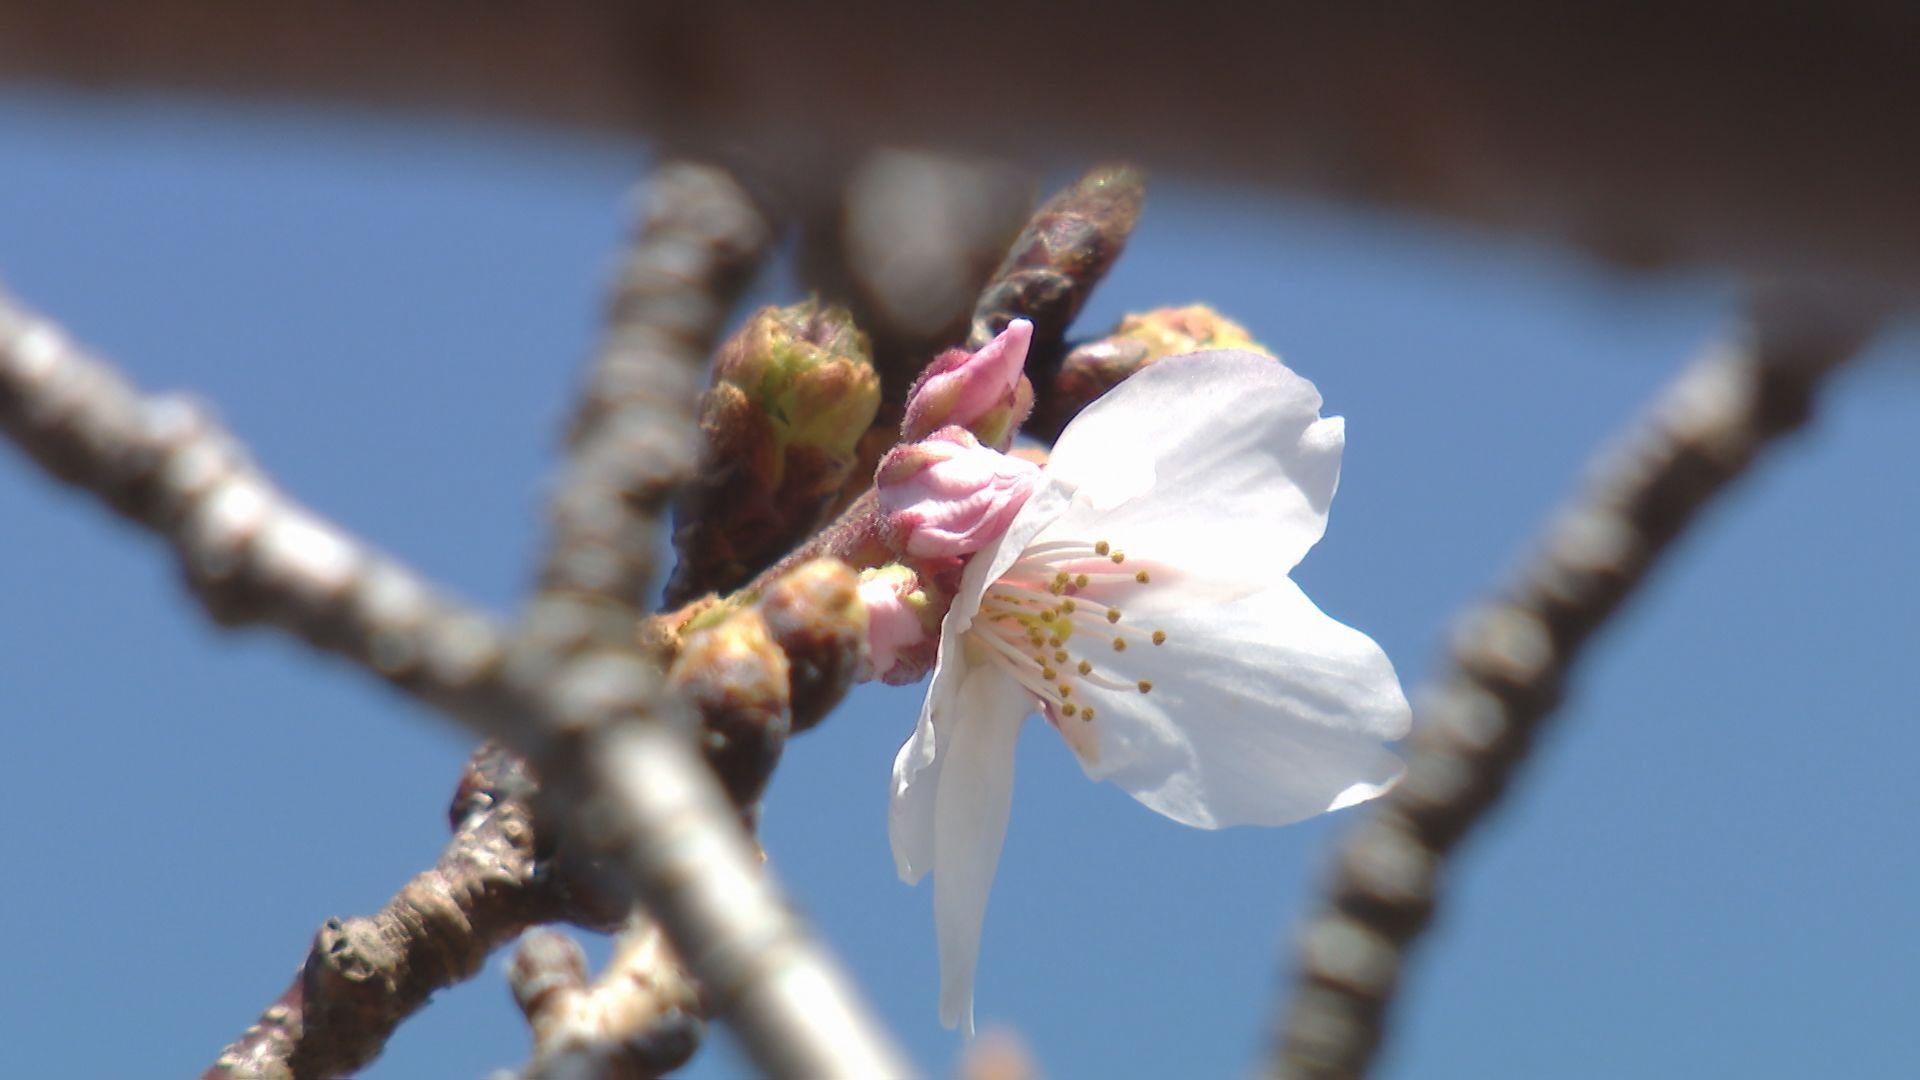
1095	367
809	371
735	675
948	495
794	390
985	392
903	627
815	615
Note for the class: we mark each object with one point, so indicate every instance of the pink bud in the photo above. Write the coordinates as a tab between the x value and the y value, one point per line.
900	645
949	495
984	392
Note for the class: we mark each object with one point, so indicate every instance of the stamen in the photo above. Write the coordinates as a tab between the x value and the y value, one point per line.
1159	637
1070	710
1113	614
1066	690
1119	644
1080	581
1060	656
1141	577
1118	557
1049	674
1100	548
1145	686
1087	713
1086	668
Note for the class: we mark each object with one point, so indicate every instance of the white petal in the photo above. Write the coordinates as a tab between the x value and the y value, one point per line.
1191	443
916	769
1262	711
970	821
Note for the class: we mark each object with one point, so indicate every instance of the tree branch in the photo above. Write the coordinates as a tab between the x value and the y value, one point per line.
1710	133
1510	663
636	1022
364	976
597	730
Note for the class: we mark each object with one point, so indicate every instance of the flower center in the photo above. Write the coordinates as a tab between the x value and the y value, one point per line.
1054	611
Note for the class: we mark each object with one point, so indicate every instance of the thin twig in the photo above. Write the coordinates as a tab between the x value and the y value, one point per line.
364	976
1510	664
637	1021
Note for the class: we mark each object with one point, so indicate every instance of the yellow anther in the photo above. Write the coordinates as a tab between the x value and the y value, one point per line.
1066	690
1145	686
1086	668
1119	644
1066	607
1101	548
1113	615
1086	713
1056	641
1049	673
1118	557
1060	656
1080	581
1071	710
1141	577
1159	637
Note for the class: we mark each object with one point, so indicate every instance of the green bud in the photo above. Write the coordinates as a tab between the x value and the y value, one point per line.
809	371
1095	367
794	391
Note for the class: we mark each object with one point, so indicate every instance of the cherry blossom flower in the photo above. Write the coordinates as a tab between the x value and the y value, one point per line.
1140	601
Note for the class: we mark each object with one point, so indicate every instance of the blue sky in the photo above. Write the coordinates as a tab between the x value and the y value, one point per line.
1707	869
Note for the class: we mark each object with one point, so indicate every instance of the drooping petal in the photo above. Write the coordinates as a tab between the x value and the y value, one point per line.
970	822
917	768
1260	710
1219	458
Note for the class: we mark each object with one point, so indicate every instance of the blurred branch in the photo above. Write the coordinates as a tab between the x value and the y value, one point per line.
595	728
1706	133
1066	249
634	440
1510	662
249	553
364	976
635	1022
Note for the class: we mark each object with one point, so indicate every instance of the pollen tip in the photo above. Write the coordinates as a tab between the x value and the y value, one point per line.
1113	615
1145	686
1087	713
1066	690
1118	557
1086	668
1119	644
1060	656
1080	581
1049	673
1101	548
1070	710
1159	637
1141	577
1066	606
